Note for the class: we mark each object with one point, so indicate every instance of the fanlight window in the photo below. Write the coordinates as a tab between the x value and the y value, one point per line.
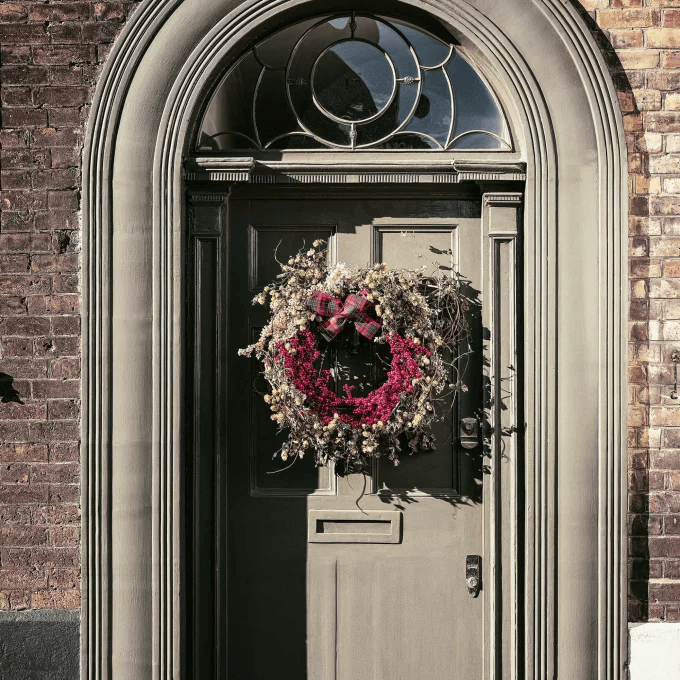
353	82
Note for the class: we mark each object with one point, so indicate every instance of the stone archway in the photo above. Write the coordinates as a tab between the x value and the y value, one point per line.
574	264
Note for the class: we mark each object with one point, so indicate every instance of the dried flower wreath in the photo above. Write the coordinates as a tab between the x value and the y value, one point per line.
420	318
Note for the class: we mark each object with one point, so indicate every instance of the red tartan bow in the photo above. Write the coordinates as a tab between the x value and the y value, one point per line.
352	309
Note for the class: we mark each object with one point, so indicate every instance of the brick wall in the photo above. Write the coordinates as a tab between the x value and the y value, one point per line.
50	58
641	42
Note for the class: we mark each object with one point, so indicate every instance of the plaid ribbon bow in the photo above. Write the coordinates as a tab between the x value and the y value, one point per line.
352	309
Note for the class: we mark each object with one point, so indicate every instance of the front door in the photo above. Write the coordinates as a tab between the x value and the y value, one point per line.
333	574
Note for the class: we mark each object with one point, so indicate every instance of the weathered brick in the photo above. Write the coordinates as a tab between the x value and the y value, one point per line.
25	34
633	59
665	205
628	38
63	54
56	599
23	75
663	121
67	11
64	452
21	536
65	33
15	54
56	389
663	37
13	12
663	80
14	453
627	18
25	326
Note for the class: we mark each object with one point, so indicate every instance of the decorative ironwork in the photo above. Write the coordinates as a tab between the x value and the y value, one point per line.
353	81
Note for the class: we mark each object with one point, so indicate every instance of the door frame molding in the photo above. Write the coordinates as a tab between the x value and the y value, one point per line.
571	133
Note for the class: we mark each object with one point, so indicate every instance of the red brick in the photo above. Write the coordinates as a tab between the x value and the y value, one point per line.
100	32
66	75
24	158
16	96
23	493
56	599
62	409
67	11
23	453
10	264
49	137
67	283
13	12
27	368
23	75
56	430
52	220
64	452
65	368
22	34
63	54
62	178
62	473
54	515
27	578
65	33
15	179
626	38
15	473
25	326
64	578
14	139
31	284
63	199
19	54
65	157
23	200
66	117
66	262
45	557
22	536
64	536
61	96
17	347
10	306
66	325
57	346
56	389
25	242
64	493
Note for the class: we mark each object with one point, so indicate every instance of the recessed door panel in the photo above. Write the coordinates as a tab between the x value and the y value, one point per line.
361	576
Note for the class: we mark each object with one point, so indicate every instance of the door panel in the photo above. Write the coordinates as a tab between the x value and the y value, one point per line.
340	608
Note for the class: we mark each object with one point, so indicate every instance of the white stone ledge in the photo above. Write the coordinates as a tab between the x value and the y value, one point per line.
654	651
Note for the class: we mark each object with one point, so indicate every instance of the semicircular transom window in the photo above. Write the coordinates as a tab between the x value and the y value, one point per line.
353	81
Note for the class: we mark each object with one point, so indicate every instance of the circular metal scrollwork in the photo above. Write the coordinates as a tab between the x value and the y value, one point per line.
353	82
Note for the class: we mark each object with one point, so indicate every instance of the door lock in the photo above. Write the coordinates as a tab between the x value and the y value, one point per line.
469	432
473	574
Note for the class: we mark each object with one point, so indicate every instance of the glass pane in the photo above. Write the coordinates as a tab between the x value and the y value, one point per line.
476	107
430	50
271	96
275	51
434	112
222	116
478	140
353	81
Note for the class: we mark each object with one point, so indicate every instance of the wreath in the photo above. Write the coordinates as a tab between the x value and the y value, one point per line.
421	320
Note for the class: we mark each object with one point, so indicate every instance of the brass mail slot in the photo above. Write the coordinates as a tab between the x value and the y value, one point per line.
354	526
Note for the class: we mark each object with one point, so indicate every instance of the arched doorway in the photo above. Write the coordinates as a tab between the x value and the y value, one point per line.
556	524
